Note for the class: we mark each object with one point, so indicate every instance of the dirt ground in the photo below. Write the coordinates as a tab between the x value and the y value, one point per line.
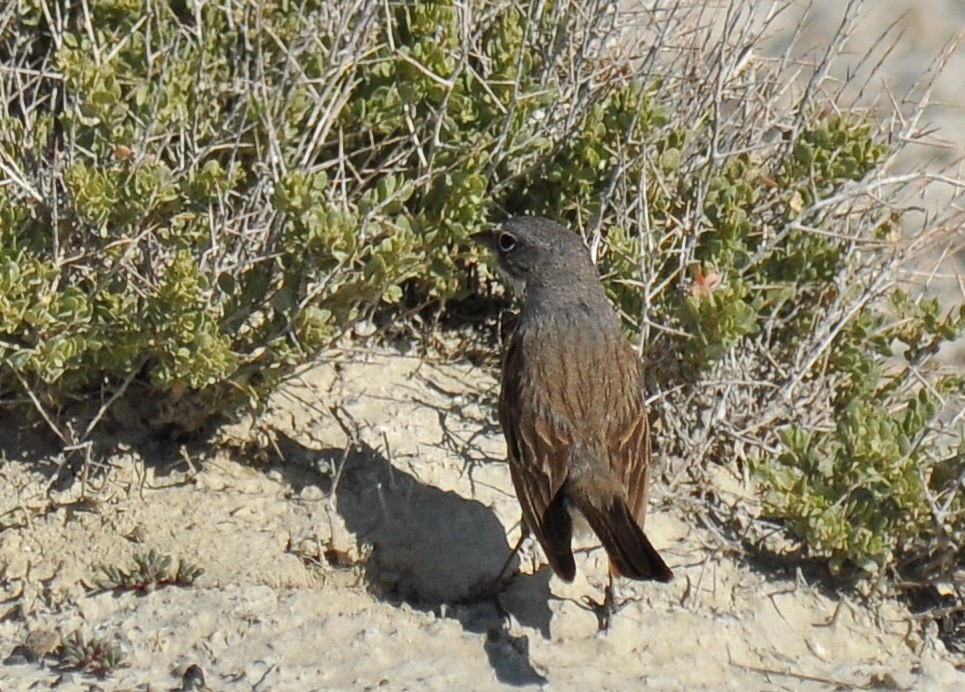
357	555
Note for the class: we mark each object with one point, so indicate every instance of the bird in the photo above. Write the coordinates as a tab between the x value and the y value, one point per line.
572	406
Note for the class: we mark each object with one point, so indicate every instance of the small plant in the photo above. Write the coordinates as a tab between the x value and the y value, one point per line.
152	570
93	656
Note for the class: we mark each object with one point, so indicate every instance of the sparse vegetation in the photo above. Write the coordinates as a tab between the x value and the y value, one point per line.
194	201
151	571
93	656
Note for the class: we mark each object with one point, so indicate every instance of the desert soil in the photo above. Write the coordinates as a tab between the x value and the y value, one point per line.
357	553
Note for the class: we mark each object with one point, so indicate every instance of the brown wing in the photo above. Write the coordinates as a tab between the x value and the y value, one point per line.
538	454
629	434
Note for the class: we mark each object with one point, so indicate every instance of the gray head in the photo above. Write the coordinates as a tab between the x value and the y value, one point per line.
534	253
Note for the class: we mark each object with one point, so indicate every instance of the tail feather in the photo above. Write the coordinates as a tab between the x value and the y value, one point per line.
555	532
627	546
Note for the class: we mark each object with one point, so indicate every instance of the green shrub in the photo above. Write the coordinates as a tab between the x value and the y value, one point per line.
207	199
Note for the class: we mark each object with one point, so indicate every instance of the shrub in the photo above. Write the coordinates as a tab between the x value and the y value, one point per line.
199	201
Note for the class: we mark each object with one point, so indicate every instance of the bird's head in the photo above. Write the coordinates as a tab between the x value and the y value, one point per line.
533	251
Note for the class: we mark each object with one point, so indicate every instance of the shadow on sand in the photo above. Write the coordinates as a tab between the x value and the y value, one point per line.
432	549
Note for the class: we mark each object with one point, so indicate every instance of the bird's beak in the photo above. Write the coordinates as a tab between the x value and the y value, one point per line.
486	238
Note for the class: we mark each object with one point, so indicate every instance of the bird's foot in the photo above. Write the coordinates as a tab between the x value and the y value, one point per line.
606	609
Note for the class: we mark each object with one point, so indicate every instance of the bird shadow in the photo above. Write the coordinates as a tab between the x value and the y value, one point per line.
432	549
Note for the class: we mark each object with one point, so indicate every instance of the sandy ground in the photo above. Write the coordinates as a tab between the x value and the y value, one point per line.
404	488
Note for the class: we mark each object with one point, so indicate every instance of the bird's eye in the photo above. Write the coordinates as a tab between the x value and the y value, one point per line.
507	241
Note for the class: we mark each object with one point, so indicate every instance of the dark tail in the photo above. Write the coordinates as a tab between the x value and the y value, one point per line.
555	535
627	546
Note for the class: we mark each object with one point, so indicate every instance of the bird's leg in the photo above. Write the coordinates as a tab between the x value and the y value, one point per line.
491	589
523	535
609	607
